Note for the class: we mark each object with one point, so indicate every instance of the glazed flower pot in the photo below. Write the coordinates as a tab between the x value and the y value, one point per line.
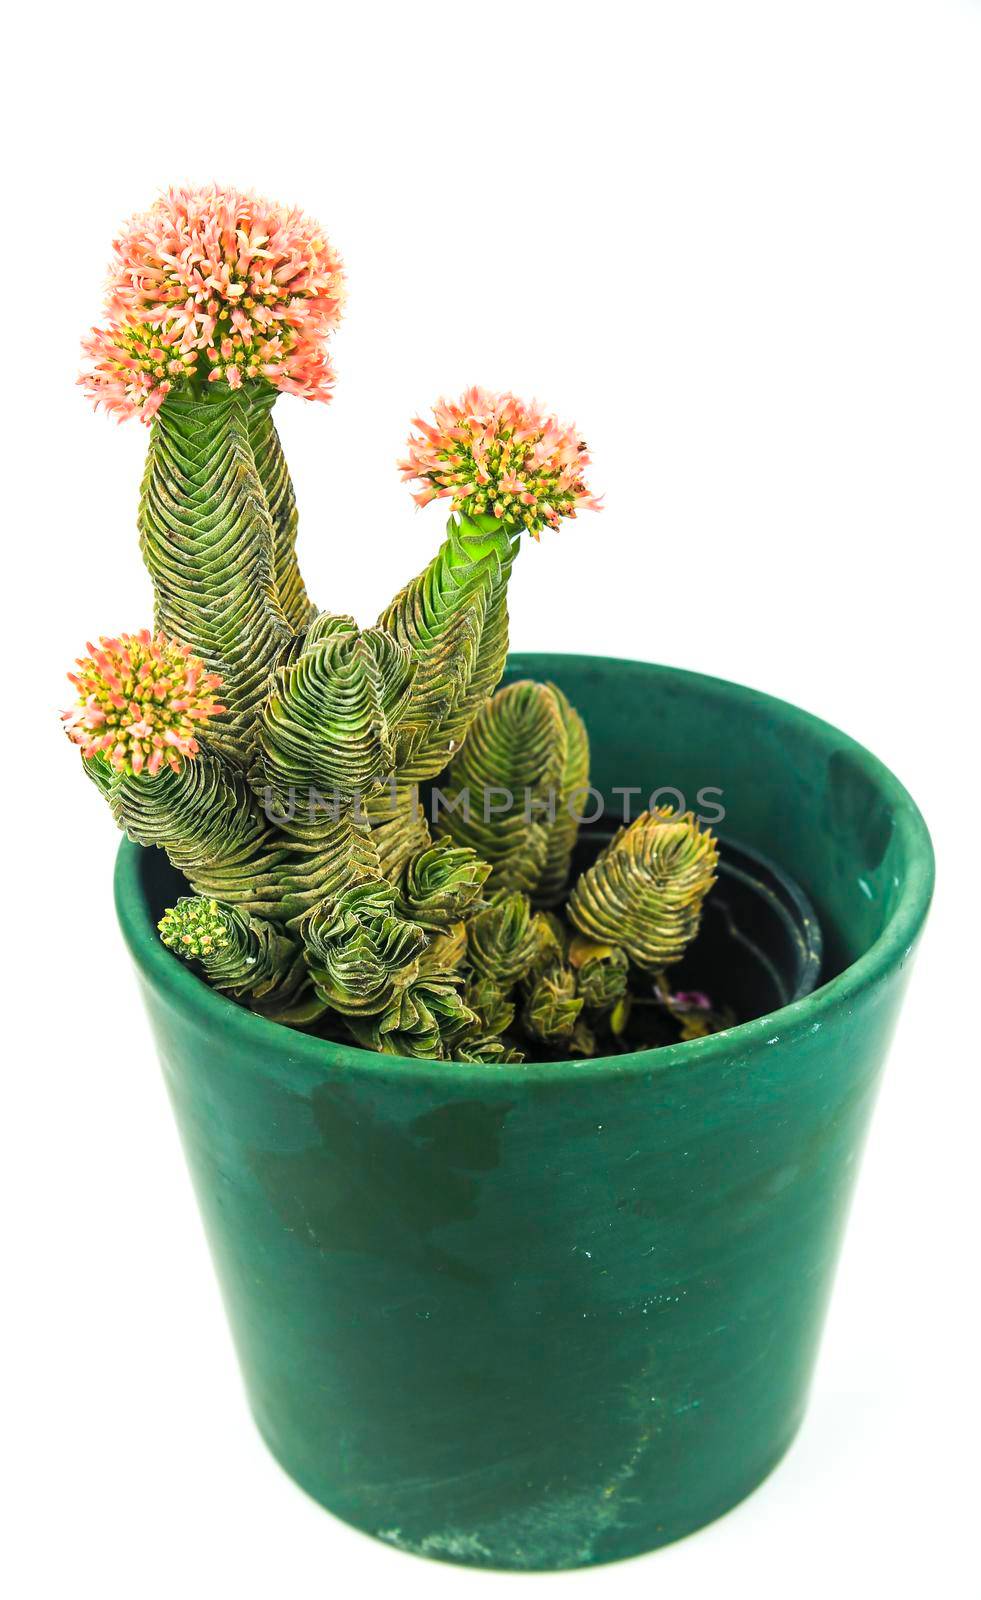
551	1315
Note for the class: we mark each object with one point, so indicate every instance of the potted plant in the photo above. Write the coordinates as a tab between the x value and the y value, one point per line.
522	1109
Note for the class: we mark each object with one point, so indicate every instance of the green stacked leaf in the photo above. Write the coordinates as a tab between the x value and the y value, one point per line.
441	884
570	807
485	1049
491	1002
645	892
602	973
452	620
243	956
324	742
418	1016
514	792
329	722
504	943
361	951
552	1006
446	951
207	539
206	819
398	827
277	485
504	940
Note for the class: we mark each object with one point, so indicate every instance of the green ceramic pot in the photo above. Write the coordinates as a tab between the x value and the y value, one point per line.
546	1316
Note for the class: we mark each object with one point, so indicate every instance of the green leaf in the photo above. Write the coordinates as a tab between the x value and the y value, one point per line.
452	619
206	534
242	955
329	720
360	951
441	883
645	892
270	464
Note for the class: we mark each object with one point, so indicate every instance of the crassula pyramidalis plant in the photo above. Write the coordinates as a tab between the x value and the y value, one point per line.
276	751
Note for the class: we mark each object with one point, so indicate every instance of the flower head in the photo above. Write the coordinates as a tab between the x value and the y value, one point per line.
195	927
212	284
492	453
139	701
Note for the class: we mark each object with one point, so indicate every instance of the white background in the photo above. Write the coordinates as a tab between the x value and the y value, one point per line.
739	245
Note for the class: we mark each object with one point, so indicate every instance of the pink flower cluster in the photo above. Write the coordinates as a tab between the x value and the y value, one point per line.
211	284
139	699
495	454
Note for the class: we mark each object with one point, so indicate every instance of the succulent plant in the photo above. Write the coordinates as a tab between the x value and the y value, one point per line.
319	895
645	892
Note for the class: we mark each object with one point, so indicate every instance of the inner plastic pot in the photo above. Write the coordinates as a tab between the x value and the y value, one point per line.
549	1315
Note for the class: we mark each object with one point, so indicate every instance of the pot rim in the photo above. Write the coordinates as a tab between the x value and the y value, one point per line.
189	993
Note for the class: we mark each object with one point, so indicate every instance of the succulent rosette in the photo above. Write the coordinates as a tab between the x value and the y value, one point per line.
215	285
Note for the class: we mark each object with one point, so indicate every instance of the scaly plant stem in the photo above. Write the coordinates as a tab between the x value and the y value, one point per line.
205	819
206	534
296	605
453	621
